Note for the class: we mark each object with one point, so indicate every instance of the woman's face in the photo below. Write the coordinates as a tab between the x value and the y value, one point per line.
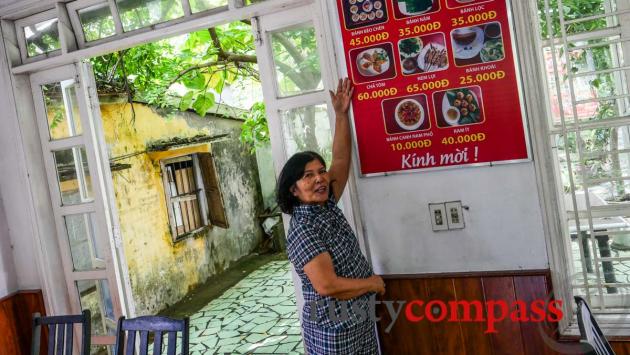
312	188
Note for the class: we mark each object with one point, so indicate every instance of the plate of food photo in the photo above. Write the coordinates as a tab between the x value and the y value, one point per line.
409	114
433	57
461	107
372	62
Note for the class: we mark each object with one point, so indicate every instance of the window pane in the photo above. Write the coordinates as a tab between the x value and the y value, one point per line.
308	128
95	296
136	14
62	109
42	38
297	61
97	22
81	237
203	5
73	176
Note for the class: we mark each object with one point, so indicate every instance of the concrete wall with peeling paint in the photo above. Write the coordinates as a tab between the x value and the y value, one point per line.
162	272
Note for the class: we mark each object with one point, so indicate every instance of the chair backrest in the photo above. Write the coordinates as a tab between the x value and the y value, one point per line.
159	326
61	333
589	330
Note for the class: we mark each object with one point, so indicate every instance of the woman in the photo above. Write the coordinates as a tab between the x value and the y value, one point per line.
337	280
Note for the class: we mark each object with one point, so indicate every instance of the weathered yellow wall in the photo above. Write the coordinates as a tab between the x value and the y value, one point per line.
162	272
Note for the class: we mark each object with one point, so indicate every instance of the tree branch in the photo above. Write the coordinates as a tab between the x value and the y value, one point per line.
231	58
293	51
127	87
216	42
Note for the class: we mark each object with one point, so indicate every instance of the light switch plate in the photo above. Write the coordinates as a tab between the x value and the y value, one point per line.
437	213
454	215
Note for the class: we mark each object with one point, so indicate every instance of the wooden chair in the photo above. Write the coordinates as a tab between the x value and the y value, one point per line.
151	324
61	333
590	333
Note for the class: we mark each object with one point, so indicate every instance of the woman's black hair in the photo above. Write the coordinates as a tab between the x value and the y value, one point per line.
293	171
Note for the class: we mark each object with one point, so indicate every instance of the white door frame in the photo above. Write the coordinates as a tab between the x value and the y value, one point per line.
101	204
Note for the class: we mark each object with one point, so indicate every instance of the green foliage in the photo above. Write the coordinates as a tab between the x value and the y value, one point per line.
192	72
572	9
150	71
255	131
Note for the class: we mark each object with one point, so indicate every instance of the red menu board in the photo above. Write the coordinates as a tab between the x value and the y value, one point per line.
435	83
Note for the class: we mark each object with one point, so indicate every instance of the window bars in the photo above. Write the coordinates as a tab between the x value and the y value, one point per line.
586	46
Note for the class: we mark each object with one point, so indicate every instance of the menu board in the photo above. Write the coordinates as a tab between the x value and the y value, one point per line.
436	83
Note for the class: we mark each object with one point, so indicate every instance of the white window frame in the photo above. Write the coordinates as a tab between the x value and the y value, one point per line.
201	196
75	6
30	21
612	323
73	13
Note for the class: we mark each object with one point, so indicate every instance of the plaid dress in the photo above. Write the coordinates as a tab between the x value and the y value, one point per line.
314	230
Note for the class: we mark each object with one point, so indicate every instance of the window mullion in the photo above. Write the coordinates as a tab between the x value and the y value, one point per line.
67	37
186	7
117	21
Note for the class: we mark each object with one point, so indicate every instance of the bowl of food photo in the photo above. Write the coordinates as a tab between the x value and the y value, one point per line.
409	114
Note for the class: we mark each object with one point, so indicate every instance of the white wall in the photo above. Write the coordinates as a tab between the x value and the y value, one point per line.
14	192
8	277
503	231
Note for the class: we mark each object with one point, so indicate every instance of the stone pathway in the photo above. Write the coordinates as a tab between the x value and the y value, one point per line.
258	315
621	268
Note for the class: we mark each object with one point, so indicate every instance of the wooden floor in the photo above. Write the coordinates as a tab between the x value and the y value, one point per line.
445	337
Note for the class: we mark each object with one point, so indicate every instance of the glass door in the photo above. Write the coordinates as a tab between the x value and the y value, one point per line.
66	107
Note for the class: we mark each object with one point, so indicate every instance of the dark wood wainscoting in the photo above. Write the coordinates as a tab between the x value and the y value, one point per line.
458	338
15	321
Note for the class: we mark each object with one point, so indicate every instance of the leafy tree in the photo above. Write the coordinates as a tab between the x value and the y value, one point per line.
207	61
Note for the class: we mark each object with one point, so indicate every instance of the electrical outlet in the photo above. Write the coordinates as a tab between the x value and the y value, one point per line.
438	216
454	215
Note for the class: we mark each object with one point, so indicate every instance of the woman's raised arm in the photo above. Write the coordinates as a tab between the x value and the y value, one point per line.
342	144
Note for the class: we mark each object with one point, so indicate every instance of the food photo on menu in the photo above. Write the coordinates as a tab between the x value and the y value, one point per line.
452	4
408	8
458	107
423	54
406	114
372	63
360	13
477	44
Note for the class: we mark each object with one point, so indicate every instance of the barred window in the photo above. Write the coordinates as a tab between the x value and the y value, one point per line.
193	196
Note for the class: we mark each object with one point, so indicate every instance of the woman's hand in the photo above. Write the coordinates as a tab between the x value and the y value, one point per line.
378	284
342	98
